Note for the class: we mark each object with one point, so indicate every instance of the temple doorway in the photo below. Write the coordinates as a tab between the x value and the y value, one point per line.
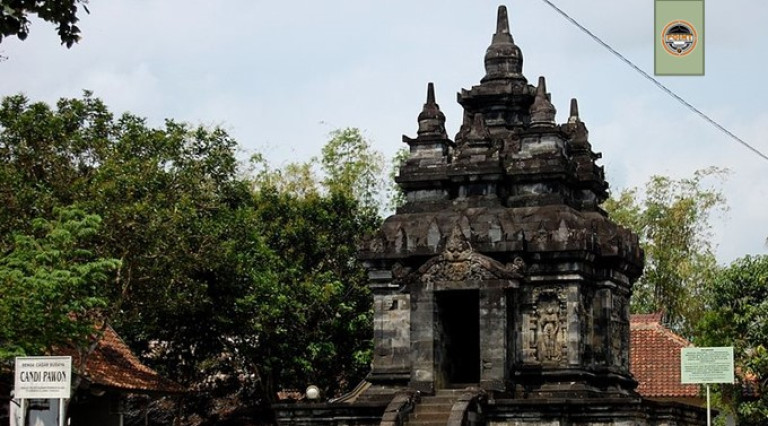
458	343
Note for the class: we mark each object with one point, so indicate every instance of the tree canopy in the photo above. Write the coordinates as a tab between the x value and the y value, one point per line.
230	283
737	315
671	218
54	288
15	14
707	303
311	218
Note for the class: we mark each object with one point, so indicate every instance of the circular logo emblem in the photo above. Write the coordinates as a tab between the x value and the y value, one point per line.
679	37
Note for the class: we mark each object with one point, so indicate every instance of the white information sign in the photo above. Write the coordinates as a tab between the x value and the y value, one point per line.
43	377
706	365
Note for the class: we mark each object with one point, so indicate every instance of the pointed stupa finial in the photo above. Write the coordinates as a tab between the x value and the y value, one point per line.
431	119
431	143
573	117
579	133
542	110
502	22
430	93
503	59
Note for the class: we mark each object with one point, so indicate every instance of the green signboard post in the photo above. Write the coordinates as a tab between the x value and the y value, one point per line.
705	366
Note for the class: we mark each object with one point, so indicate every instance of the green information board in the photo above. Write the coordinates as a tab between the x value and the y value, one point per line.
706	365
678	37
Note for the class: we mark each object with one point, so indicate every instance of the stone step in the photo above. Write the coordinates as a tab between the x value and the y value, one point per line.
436	404
444	396
428	417
434	410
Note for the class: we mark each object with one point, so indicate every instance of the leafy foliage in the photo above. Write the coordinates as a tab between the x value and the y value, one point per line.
312	224
737	315
671	217
232	285
348	165
352	167
173	211
14	17
397	196
54	287
318	312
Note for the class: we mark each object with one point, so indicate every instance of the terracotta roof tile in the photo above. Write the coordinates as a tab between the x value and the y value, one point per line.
655	359
112	364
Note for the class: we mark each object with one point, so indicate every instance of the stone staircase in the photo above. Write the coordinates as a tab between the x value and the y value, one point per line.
434	410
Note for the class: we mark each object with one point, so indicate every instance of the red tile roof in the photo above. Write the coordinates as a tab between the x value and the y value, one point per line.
655	359
113	365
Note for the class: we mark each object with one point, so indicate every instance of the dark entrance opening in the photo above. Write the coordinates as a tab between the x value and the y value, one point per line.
458	343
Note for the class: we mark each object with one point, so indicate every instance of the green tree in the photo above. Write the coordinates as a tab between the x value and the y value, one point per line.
55	289
348	164
671	217
14	17
351	166
316	323
321	328
737	315
173	210
237	286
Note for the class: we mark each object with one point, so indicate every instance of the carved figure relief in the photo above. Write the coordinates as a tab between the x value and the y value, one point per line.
550	325
457	248
545	322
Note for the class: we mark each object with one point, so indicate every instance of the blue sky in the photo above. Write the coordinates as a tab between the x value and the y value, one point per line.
280	75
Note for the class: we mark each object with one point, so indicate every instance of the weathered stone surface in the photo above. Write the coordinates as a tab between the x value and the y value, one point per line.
501	272
511	209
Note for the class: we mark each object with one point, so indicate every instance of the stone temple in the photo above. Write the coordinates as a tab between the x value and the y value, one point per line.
501	288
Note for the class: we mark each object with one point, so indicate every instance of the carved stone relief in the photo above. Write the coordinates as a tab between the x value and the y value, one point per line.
517	265
545	326
459	262
549	331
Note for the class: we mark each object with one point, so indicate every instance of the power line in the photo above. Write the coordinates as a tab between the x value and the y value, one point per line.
657	82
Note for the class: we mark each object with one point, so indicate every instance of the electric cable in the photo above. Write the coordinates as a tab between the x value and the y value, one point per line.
657	82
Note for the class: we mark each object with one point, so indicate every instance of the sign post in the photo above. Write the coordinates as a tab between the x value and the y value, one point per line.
43	377
706	366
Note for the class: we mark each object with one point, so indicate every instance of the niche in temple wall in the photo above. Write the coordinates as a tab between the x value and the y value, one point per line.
545	326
